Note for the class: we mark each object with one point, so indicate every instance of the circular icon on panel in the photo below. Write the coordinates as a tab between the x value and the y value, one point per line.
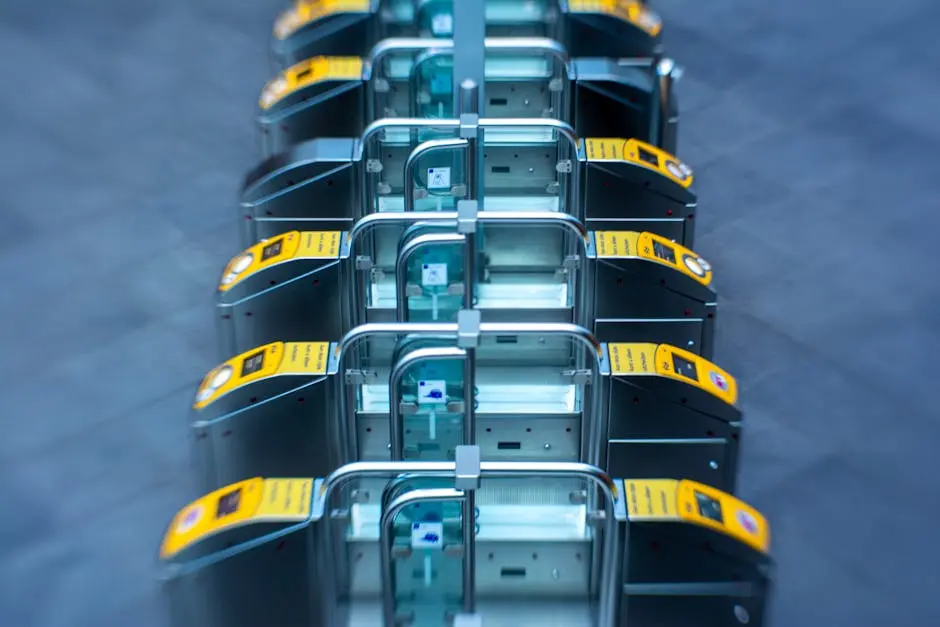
228	278
189	518
648	20
675	170
220	377
718	380
692	263
241	263
748	522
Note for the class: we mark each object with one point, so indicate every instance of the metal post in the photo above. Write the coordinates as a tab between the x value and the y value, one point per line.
469	78
666	73
469	48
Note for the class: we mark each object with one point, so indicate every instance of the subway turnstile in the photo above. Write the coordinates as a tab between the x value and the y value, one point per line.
392	543
588	28
467	372
408	391
526	78
610	184
624	285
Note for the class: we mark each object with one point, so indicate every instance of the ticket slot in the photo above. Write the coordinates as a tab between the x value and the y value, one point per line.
644	280
245	584
319	97
274	417
695	556
325	27
658	185
290	286
668	425
317	175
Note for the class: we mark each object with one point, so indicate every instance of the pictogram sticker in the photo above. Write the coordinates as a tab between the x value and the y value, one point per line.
747	522
718	380
189	519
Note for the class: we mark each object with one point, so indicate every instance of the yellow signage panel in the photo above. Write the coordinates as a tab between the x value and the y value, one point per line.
291	245
632	11
306	11
305	358
707	507
613	244
632	359
309	72
319	245
639	153
252	365
651	499
285	500
605	148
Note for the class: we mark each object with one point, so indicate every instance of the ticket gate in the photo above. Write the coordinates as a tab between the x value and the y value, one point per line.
400	390
588	28
623	285
525	78
572	547
611	184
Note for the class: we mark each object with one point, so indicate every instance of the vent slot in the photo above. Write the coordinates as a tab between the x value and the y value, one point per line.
512	573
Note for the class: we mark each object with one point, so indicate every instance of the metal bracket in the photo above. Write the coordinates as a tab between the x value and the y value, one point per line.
468	620
383	189
455	289
420	193
455	407
359	377
453	550
578	377
469	125
578	497
553	188
380	86
468	212
373	166
467	465
359	496
468	328
364	262
556	85
564	166
423	97
596	517
408	408
413	291
572	262
458	191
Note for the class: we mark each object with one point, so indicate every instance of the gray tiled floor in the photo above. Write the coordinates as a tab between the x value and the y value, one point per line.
814	128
